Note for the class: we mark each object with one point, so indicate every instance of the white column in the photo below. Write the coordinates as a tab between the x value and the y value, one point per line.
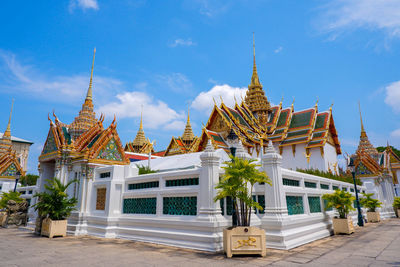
275	198
209	178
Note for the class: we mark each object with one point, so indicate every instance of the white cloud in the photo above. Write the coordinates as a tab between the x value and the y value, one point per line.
340	16
175	126
204	101
208	8
395	133
155	112
177	82
349	142
83	4
278	50
393	96
182	42
18	77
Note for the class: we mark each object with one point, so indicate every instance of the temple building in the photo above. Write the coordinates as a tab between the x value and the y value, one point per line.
72	151
378	171
13	157
187	143
305	139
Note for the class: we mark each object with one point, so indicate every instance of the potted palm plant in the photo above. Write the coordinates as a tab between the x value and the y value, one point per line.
238	182
396	206
342	201
54	207
371	204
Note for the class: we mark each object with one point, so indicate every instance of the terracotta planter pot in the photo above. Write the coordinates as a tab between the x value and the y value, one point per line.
373	216
342	226
52	228
244	240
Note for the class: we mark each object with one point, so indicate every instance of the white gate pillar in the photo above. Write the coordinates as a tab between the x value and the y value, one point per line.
275	199
209	178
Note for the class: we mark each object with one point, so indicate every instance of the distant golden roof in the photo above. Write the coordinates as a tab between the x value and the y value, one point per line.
188	133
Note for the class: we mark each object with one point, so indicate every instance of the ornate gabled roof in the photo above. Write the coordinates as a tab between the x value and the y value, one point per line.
85	138
87	117
366	165
9	165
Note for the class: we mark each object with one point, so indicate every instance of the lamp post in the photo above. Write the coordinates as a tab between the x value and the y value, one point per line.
17	176
353	173
232	141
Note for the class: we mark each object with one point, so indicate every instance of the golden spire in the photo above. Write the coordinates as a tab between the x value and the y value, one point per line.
140	138
89	92
188	133
363	133
364	144
7	133
254	78
255	96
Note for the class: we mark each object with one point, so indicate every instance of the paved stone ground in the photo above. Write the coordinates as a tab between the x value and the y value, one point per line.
374	245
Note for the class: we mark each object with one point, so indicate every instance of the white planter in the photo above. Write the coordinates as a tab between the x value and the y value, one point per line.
373	216
244	240
343	226
52	228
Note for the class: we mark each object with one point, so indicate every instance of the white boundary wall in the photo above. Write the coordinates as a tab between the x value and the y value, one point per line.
202	231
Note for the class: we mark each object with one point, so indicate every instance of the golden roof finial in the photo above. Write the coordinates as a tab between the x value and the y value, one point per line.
141	120
293	103
316	103
254	78
7	133
89	94
363	133
222	101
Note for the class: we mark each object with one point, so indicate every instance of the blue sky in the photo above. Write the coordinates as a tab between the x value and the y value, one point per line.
166	55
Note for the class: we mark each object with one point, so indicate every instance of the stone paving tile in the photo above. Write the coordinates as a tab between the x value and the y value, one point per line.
373	245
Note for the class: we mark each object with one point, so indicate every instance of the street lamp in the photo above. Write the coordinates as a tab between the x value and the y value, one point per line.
352	168
232	142
17	176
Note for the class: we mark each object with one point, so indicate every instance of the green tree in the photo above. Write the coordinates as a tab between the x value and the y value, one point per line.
145	169
341	200
383	148
237	182
55	203
370	203
29	179
5	197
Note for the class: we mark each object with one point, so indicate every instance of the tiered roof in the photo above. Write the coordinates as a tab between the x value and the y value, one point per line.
85	138
9	163
284	127
256	122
